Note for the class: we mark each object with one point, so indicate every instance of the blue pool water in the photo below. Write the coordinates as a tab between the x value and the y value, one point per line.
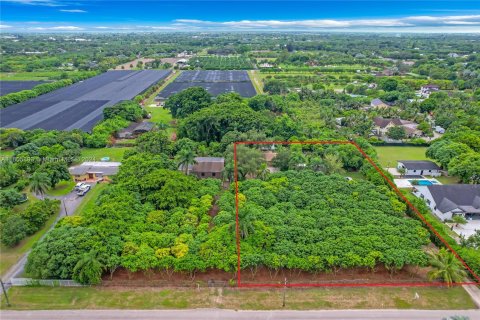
422	182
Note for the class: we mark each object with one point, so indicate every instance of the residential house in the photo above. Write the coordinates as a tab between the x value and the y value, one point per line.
428	89
377	103
135	129
445	201
439	129
266	65
381	126
207	167
94	171
414	168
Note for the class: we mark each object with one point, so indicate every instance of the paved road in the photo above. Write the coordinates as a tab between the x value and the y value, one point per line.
212	314
70	202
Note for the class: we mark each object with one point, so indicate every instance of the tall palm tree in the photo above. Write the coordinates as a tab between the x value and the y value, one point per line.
39	183
446	267
88	269
332	164
263	171
185	158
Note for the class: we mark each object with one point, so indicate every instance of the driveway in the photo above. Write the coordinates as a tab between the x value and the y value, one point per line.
68	205
468	229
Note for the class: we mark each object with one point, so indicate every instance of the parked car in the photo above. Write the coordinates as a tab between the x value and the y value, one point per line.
79	185
83	190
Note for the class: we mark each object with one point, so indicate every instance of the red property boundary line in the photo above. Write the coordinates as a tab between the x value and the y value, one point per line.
394	187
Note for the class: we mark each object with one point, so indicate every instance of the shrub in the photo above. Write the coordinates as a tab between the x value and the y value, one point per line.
13	230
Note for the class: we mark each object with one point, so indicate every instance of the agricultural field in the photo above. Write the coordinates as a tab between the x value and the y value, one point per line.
221	62
79	106
7	87
215	82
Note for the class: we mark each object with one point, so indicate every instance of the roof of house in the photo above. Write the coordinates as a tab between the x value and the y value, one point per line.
208	164
383	122
431	86
464	197
419	165
137	126
378	102
269	155
410	127
106	168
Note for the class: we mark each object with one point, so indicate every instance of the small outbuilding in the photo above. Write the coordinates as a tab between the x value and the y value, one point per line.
415	168
135	129
207	167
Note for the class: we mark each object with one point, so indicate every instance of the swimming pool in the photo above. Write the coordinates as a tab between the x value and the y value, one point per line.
423	182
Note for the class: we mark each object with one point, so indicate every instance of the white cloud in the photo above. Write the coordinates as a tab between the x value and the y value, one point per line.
47	3
73	10
57	28
406	22
4	26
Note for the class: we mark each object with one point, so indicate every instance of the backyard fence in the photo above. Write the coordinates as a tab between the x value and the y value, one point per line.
23	282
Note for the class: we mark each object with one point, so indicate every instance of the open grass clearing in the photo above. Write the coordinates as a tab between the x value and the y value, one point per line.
9	256
448	180
47	298
37	75
62	188
256	81
95	154
388	156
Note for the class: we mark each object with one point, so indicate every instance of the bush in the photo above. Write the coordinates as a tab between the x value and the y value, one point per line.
13	230
10	198
37	213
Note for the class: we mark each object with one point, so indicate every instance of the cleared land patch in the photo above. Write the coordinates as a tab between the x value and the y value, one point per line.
35	298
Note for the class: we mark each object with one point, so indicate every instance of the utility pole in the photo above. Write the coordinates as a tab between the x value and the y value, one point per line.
284	292
64	207
5	293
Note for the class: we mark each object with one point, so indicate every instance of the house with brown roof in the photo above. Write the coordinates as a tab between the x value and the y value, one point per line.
377	103
382	125
206	167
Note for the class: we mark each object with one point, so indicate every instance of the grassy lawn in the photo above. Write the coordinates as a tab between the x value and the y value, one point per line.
31	298
355	175
6	153
62	188
24	76
448	180
256	81
388	156
162	115
89	199
95	154
9	256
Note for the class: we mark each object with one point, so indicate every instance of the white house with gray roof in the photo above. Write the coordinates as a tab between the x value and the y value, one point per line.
449	200
419	168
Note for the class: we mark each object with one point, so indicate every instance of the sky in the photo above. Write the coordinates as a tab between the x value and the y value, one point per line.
405	16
